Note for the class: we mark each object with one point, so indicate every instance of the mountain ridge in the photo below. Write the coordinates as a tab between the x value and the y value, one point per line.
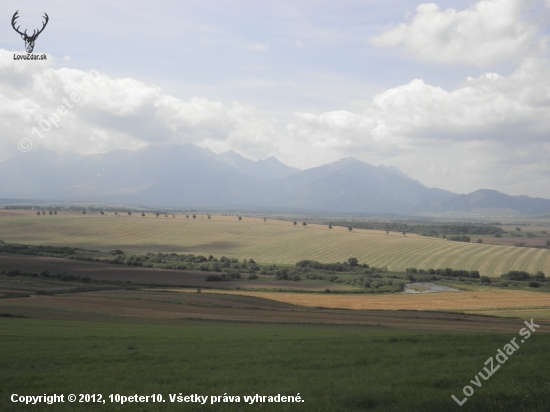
188	175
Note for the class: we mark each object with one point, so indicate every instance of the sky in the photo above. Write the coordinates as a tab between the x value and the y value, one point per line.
456	94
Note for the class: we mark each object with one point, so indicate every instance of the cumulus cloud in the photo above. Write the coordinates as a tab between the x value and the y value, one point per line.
489	32
489	126
113	113
260	47
491	131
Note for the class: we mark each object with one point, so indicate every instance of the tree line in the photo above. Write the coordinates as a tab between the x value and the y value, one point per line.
436	230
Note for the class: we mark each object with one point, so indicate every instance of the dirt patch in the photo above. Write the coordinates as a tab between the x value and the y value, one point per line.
13	213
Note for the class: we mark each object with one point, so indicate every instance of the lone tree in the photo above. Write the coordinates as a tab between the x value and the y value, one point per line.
404	233
387	232
350	228
143	215
116	213
194	216
157	214
208	216
265	219
353	261
129	213
51	213
102	213
55	212
38	213
240	218
83	212
187	216
330	226
165	215
304	224
295	223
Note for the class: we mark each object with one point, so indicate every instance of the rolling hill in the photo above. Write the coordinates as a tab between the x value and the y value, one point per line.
274	241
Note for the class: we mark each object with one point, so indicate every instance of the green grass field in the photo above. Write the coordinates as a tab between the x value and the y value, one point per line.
270	242
333	368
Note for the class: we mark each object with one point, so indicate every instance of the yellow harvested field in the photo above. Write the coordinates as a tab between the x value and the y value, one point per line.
274	241
494	302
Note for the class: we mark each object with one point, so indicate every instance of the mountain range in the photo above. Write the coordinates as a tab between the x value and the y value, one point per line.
186	176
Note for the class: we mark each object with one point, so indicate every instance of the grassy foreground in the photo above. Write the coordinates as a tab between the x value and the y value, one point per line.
271	242
333	368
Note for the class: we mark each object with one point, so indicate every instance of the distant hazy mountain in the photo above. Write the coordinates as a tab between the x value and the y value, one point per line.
350	185
23	174
190	176
267	169
396	171
488	199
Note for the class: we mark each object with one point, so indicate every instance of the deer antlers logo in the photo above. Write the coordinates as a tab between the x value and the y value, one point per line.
29	40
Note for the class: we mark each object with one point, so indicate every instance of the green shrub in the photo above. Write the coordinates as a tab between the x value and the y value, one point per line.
460	238
353	261
517	275
474	274
539	275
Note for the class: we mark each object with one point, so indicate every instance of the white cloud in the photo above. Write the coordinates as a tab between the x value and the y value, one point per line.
114	113
489	131
489	32
67	58
260	47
